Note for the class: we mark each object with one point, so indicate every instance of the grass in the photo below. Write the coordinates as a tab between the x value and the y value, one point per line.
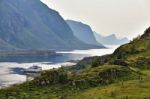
90	78
133	89
146	72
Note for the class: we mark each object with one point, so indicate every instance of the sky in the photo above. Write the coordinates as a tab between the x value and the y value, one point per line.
125	18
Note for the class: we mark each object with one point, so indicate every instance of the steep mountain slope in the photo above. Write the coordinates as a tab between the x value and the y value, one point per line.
6	46
83	32
110	40
30	24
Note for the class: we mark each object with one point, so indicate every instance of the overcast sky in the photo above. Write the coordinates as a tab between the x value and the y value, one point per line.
122	17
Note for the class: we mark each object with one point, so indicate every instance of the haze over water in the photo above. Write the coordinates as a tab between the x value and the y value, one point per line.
11	72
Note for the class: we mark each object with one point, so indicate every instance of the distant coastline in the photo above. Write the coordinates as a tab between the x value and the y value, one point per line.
27	53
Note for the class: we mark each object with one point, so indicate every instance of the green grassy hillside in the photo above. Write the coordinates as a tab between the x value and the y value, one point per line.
137	52
60	83
123	75
133	89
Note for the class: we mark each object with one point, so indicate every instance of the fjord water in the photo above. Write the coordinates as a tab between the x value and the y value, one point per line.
11	68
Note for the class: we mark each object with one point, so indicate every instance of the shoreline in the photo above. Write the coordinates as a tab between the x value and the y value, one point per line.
27	53
12	77
10	71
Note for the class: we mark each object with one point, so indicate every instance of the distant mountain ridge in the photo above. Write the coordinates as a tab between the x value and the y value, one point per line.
87	35
83	32
110	39
30	24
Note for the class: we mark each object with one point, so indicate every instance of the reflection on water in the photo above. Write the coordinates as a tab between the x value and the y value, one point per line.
11	67
55	58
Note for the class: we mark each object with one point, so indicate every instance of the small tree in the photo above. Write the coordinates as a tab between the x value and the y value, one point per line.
63	76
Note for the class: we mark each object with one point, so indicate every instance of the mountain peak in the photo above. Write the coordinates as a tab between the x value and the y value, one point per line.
110	39
112	35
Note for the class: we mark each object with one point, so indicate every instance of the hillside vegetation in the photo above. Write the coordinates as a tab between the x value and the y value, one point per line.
137	52
123	75
134	54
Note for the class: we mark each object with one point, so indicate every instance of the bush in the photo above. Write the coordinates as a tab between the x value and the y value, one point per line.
120	62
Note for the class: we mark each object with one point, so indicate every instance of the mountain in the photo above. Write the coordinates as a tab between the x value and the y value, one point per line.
110	40
30	24
87	35
83	32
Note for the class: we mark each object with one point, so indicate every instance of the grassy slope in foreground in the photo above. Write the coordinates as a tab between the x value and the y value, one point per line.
73	84
133	89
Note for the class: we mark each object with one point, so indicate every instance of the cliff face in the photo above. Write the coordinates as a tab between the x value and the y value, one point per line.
30	24
83	32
